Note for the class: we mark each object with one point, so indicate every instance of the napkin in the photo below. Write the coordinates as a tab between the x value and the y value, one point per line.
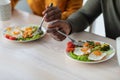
118	49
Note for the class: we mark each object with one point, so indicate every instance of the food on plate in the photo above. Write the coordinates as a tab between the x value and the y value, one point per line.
90	51
27	33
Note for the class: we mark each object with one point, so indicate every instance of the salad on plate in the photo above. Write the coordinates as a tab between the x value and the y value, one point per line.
23	34
91	52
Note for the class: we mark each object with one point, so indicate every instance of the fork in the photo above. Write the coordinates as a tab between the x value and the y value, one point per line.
40	27
78	43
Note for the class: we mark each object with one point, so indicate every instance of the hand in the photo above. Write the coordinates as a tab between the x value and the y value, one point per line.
61	25
53	13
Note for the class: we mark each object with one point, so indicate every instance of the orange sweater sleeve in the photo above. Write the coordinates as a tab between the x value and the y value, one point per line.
67	6
13	3
37	6
72	6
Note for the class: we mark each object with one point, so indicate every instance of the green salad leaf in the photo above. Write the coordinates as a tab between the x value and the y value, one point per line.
80	57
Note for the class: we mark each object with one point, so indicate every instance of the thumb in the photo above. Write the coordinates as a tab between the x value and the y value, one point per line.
53	24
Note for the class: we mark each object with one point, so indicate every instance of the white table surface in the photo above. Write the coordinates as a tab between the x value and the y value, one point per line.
45	59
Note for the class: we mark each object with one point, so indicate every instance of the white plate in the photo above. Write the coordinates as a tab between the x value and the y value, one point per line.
43	29
98	61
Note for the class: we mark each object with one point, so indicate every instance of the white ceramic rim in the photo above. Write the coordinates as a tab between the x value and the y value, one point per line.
107	57
43	29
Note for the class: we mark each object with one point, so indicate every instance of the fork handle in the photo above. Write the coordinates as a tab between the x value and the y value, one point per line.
66	35
51	5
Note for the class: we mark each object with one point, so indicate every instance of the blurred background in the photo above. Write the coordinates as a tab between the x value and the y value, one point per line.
97	27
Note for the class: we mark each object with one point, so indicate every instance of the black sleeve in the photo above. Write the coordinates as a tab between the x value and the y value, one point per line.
85	16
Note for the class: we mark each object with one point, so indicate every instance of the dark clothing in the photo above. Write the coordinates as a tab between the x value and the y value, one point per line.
91	10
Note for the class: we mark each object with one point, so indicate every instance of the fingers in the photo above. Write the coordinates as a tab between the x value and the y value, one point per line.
53	13
53	31
54	24
48	9
57	36
52	17
58	25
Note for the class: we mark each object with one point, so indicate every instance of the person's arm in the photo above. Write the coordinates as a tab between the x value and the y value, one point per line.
13	3
85	16
71	6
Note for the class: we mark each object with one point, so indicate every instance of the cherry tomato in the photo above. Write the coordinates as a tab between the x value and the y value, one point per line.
12	38
70	49
70	45
7	36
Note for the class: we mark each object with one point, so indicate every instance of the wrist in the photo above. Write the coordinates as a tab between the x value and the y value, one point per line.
69	30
